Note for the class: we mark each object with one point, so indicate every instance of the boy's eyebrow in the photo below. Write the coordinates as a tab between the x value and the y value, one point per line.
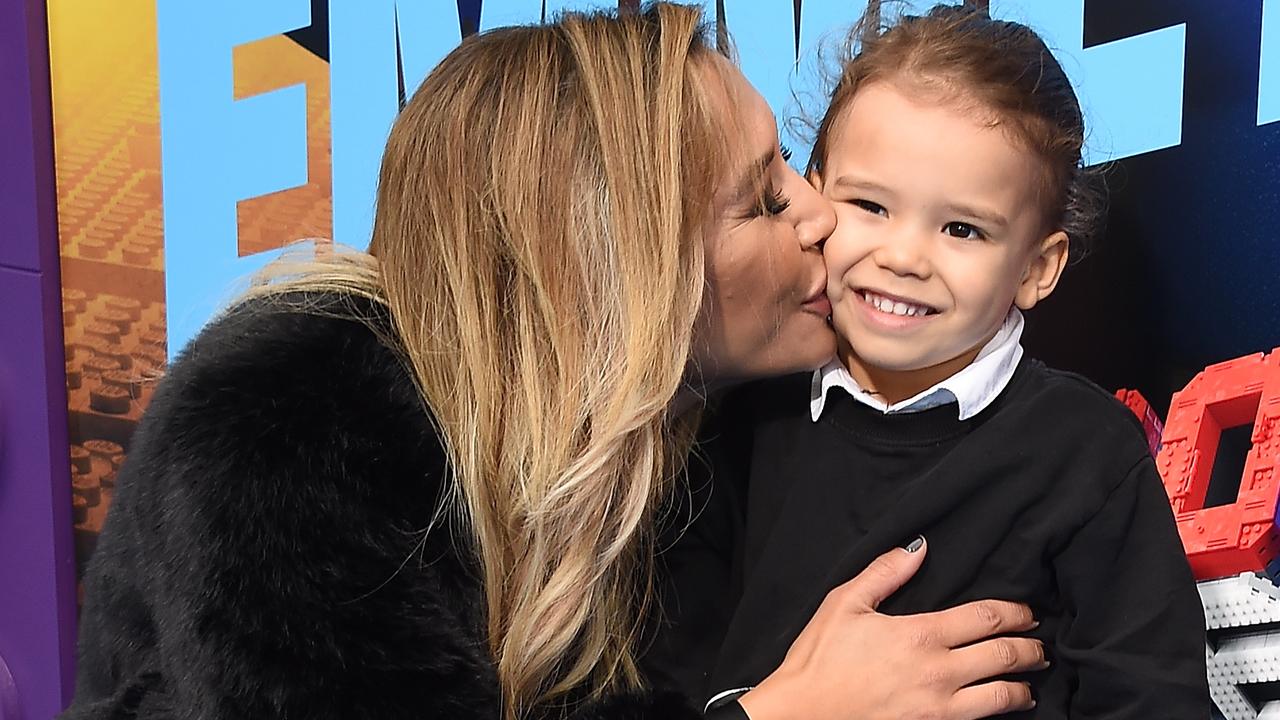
856	183
990	217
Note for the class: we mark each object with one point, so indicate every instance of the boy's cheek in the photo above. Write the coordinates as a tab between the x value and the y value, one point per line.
838	256
835	271
847	241
842	320
840	295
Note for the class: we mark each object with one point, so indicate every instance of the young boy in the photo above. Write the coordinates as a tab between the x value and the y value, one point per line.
951	151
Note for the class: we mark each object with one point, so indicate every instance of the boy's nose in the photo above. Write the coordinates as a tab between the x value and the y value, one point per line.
905	254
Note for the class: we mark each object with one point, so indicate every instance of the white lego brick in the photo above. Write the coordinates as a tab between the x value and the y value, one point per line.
1239	601
1247	659
1227	697
1243	660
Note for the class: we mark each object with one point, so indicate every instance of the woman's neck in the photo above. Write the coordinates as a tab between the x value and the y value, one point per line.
689	397
696	390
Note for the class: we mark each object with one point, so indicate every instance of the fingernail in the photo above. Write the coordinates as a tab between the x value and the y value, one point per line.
914	545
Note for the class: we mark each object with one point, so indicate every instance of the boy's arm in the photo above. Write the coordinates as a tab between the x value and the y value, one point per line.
1134	627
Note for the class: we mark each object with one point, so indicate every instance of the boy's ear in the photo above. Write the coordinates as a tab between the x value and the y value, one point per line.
1043	270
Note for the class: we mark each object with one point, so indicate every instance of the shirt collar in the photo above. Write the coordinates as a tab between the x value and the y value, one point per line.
973	388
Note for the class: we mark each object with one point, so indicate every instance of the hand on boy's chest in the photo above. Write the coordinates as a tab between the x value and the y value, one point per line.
809	532
991	527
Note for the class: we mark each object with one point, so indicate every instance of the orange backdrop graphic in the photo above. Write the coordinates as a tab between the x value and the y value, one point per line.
111	223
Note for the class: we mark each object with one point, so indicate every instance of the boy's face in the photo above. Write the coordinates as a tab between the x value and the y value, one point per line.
939	232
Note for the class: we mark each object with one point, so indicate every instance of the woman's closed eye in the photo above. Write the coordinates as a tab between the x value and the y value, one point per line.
774	202
964	231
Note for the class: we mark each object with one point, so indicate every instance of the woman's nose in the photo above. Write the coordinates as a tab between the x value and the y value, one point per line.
816	219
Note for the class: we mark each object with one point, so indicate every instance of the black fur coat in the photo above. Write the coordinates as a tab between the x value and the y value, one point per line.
264	556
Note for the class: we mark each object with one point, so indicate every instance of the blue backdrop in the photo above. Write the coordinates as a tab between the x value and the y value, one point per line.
1181	97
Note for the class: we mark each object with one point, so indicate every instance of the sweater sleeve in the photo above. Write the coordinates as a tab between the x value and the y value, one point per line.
698	562
269	511
267	555
1134	628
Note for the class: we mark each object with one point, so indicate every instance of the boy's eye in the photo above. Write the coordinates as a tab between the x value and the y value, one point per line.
871	207
964	231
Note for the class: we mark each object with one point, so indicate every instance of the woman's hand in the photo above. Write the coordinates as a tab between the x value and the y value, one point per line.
852	663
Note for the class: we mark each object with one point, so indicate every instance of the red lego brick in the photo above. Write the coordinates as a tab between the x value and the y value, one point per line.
1151	422
1241	537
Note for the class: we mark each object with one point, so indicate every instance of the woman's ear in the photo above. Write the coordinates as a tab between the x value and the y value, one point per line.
1043	270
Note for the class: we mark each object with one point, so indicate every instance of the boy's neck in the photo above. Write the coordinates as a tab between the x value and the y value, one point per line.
894	386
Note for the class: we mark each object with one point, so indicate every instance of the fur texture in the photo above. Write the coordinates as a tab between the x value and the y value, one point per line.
267	554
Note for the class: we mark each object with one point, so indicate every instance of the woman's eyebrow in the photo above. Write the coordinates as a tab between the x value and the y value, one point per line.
749	180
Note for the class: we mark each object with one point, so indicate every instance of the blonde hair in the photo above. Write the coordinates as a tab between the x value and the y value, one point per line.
538	241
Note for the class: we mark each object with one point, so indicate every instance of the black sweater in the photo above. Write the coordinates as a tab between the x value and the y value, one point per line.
1049	496
265	556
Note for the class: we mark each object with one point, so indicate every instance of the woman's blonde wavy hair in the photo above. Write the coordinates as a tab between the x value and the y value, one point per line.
538	241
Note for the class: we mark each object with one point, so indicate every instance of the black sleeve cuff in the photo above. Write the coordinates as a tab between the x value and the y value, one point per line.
728	711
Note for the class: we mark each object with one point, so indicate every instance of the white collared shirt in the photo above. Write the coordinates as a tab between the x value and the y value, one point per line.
973	388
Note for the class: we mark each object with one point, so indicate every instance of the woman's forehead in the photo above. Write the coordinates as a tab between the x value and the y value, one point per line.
746	118
744	104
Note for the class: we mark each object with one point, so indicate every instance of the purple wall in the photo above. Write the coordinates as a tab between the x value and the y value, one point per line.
37	564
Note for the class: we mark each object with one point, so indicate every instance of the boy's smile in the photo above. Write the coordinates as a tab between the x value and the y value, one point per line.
940	232
892	311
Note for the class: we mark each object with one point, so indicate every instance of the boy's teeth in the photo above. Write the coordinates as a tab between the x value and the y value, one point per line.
886	305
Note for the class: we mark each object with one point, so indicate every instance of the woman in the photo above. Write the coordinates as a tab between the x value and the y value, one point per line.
424	483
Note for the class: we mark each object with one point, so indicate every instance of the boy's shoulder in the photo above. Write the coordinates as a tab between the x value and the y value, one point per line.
1074	406
1071	389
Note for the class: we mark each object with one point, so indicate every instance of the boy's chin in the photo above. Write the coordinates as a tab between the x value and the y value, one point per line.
871	357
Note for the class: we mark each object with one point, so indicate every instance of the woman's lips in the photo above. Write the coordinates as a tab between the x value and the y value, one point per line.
818	304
